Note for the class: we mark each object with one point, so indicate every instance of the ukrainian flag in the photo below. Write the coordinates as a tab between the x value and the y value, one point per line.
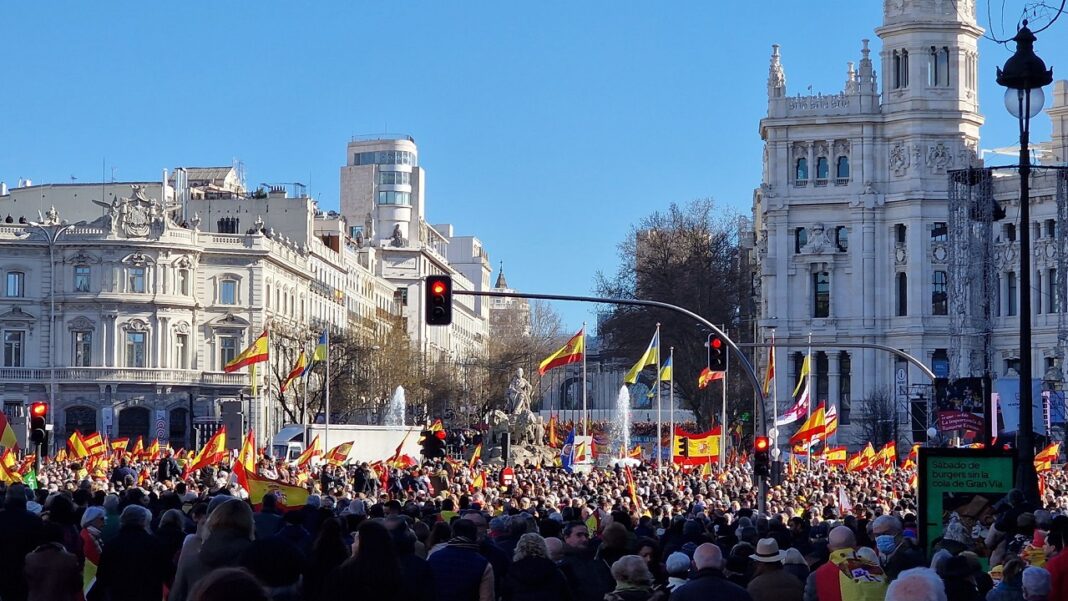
665	372
648	358
321	350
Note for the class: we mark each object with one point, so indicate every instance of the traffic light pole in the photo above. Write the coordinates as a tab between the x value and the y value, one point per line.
760	423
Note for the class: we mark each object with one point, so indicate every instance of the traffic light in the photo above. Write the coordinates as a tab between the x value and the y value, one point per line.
433	443
38	417
717	353
438	300
761	456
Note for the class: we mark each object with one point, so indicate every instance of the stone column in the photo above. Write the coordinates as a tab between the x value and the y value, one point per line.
832	380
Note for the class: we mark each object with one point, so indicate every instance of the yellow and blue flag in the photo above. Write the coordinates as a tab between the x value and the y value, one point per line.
666	374
321	351
648	358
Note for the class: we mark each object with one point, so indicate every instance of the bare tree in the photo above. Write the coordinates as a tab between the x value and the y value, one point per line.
876	423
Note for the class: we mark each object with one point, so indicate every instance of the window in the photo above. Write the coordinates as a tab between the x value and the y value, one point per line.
135	349
183	282
181	348
939	294
823	168
800	239
136	280
897	70
1051	228
16	284
940	232
403	178
901	69
820	377
841	168
902	295
801	170
227	349
13	347
81	278
841	238
385	157
228	292
1012	365
821	284
899	233
1010	294
1010	232
229	225
942	78
82	349
845	392
392	197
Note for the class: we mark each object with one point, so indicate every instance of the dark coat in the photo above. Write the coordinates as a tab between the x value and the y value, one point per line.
535	579
418	578
587	578
222	549
777	585
20	533
133	567
53	574
709	583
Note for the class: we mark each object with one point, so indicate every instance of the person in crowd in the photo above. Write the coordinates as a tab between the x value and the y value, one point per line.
1011	586
708	582
268	519
896	552
228	533
230	584
1036	584
634	581
52	572
588	578
770	581
134	565
916	584
461	573
532	575
678	570
866	581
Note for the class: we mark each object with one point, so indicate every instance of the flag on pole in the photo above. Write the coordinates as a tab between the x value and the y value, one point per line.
298	370
835	455
339	454
213	452
255	353
770	374
77	447
246	461
139	448
288	496
814	427
322	348
475	456
94	444
315	449
831	423
647	359
120	444
554	441
666	374
802	381
1045	458
7	434
571	352
708	376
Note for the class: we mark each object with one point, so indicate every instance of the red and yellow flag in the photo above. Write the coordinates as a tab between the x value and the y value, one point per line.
861	460
257	352
475	456
887	456
7	434
119	445
636	452
708	376
246	461
437	426
288	496
572	352
632	489
315	449
1045	458
298	370
835	455
695	449
554	441
770	375
94	444
213	452
153	450
339	454
77	446
139	448
814	428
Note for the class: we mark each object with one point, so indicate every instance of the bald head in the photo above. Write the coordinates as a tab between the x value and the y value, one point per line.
708	556
841	537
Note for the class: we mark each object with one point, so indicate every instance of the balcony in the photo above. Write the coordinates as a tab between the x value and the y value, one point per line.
122	375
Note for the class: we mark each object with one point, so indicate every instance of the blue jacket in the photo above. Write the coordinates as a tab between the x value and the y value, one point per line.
457	572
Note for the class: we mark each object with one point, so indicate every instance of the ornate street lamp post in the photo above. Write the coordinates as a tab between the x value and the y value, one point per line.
1023	76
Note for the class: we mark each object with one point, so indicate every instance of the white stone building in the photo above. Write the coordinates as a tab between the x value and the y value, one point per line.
851	217
147	311
383	196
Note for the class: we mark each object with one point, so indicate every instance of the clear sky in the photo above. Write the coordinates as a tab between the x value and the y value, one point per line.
546	128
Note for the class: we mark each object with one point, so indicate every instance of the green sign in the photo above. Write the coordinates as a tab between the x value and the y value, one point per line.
964	482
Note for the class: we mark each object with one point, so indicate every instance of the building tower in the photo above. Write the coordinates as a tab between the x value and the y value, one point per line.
382	187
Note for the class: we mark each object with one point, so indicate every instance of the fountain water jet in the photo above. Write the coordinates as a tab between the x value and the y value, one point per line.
396	410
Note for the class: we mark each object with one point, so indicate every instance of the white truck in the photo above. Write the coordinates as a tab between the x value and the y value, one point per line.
369	443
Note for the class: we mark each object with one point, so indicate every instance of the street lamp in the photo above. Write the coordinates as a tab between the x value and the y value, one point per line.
1023	76
51	228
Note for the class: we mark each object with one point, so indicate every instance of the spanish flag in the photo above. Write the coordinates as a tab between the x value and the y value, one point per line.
770	375
887	456
255	353
77	447
7	435
298	370
120	444
288	496
572	352
246	461
835	455
708	376
315	449
94	444
1045	458
339	454
475	456
650	357
139	448
815	427
554	442
694	449
213	452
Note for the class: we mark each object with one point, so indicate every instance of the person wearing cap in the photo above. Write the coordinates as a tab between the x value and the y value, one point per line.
678	568
770	581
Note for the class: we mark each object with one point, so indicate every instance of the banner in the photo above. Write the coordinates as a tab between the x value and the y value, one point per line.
1008	391
695	449
962	406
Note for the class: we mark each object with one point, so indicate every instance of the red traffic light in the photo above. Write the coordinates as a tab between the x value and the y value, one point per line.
761	443
716	343
39	409
440	435
438	287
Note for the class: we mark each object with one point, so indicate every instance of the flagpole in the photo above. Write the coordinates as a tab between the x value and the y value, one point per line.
659	416
723	414
774	394
585	416
808	385
671	391
326	429
254	400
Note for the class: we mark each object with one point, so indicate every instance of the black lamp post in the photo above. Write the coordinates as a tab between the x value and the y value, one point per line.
1023	76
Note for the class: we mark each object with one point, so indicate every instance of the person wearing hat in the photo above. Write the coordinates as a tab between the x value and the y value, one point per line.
770	581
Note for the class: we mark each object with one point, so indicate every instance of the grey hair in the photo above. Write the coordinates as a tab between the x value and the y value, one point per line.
136	514
632	569
111	502
917	584
530	544
887	523
1036	581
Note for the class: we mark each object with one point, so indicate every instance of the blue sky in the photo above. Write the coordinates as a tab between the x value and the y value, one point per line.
546	129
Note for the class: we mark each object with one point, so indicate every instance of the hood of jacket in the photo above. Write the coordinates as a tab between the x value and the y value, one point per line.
223	548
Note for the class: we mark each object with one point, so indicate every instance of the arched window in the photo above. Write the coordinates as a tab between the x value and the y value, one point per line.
904	68
81	419
939	294
823	168
943	67
133	422
801	171
932	67
897	70
841	168
821	293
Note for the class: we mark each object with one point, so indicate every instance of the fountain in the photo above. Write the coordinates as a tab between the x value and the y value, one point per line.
621	428
395	412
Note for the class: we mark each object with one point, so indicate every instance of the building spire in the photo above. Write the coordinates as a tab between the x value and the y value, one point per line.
501	282
866	74
776	75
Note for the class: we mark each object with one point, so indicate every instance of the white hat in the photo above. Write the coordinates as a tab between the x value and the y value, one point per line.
767	551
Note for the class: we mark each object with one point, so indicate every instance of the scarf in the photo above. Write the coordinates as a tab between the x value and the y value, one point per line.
462	543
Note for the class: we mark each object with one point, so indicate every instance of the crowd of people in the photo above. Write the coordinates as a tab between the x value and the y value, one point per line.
449	530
